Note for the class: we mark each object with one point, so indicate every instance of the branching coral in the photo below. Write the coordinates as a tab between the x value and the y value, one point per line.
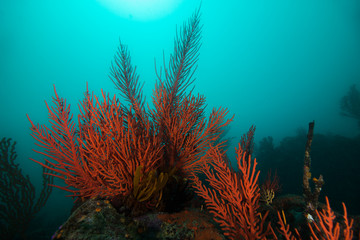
324	227
233	197
103	153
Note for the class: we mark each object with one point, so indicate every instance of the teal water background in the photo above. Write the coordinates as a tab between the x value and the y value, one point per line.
275	64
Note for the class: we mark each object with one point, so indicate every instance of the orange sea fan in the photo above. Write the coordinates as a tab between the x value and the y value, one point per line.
99	155
99	158
233	197
327	228
323	227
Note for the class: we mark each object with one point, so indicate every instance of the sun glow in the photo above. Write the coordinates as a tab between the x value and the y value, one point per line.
141	9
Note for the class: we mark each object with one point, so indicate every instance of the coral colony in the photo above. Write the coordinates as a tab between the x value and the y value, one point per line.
123	157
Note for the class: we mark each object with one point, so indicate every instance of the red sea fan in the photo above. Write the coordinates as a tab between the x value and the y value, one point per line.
99	154
233	197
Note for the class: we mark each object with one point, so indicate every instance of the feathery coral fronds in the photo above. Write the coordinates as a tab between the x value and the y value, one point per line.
182	64
126	80
180	116
101	154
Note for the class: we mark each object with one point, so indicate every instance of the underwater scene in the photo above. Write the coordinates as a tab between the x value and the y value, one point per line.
179	119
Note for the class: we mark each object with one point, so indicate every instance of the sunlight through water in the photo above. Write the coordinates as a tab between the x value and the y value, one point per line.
143	10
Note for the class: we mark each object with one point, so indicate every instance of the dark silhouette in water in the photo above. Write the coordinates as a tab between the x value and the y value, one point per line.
335	157
17	195
350	104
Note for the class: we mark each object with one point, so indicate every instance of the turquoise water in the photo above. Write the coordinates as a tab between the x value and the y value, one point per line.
275	64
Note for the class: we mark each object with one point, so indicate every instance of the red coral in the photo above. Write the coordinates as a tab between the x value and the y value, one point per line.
326	228
285	228
99	155
233	197
322	227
